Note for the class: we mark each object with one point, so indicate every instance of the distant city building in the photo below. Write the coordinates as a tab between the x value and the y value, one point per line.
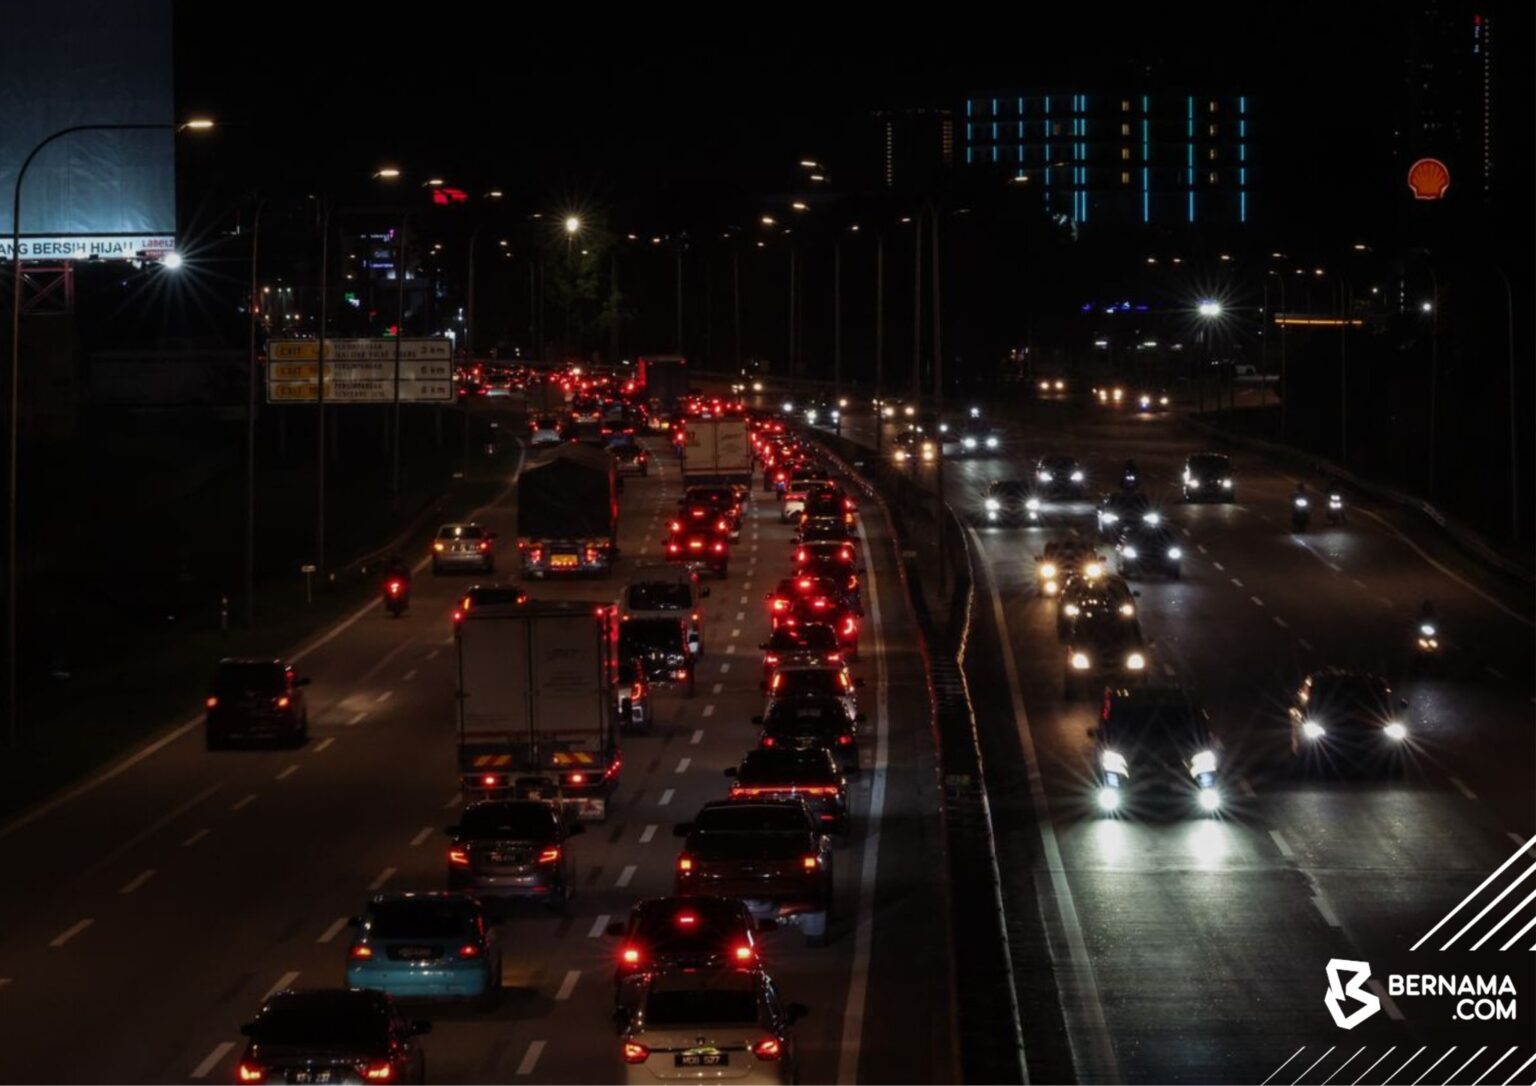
914	148
1120	159
1451	91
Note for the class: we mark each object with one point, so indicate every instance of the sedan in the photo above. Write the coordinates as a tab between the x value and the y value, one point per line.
1208	478
332	1035
714	1025
513	849
1343	719
463	546
255	699
431	945
1061	477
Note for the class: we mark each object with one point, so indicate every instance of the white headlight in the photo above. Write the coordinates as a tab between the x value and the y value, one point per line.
1175	554
993	505
1060	385
1227	484
1044	476
836	415
991	442
1129	552
1077	476
1312	729
1136	662
1110	518
1127	609
1045	386
1048	570
901	454
1109	799
1203	762
1146	401
1162	401
1396	731
1427	629
1080	661
1210	799
1151	518
943	427
1114	762
1033	505
968	442
1302	503
1072	609
1193	484
789	405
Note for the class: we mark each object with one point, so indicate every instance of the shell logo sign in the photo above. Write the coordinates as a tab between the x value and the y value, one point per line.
1428	178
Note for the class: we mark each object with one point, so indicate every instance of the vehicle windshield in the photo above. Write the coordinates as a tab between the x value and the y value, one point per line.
818	682
1211	465
701	1007
1351	692
424	918
784	766
751	818
659	596
249	678
354	1024
459	531
812	637
509	821
547	423
640	636
1011	488
806	716
1173	729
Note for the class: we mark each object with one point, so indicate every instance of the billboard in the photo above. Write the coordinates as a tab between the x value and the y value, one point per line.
360	370
88	62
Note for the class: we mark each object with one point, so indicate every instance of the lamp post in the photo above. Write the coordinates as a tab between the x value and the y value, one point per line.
1210	311
249	559
1432	309
879	339
200	125
1285	389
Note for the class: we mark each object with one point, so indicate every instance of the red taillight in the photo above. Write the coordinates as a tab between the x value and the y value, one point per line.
809	863
686	919
637	691
250	1072
781	605
458	857
362	952
673	548
280	702
490	780
469	950
721	526
676	526
800	556
549	855
630	956
576	778
769	741
695	544
834	657
395	587
771	660
634	1053
592	555
850	626
845	740
820	604
719	548
777	679
685	864
768	1049
485	545
212	703
380	1072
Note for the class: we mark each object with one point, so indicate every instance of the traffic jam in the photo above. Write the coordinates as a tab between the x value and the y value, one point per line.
573	659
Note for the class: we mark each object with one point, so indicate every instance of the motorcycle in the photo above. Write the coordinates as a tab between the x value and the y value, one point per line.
1129	480
1335	508
1301	513
1428	639
397	596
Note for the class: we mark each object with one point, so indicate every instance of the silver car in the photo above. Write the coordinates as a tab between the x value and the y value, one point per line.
464	546
709	1025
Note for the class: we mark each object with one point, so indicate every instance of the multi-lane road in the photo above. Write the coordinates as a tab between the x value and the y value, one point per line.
149	913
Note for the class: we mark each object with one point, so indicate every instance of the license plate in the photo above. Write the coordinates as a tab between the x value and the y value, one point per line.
564	561
702	1059
507	857
312	1076
412	952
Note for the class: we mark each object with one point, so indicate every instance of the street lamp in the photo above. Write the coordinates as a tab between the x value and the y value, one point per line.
1210	311
572	225
1210	308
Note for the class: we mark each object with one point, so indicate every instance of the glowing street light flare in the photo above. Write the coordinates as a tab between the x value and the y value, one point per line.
572	224
1209	308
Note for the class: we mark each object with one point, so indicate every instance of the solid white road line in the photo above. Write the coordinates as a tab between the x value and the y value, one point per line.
383	877
242	803
290	771
625	876
568	985
1386	1000
421	836
334	930
647	834
70	932
194	839
530	1058
1330	917
1082	990
599	926
666	798
1516	838
138	880
284	981
327	741
212	1060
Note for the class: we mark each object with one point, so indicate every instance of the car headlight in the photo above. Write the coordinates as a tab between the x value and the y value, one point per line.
1127	609
1129	552
1080	661
1048	570
1077	476
1151	518
1051	587
968	442
1162	401
993	505
1136	662
900	455
1146	401
1044	476
788	406
1210	799
1193	484
1110	518
1060	385
1202	763
1045	386
1109	799
1032	504
943	427
1093	571
991	442
1114	762
1072	609
1312	729
1396	732
836	415
1174	553
1226	484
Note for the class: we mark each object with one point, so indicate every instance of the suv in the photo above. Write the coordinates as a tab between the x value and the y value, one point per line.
1145	548
690	932
1208	478
255	699
513	848
1155	739
430	945
812	775
1345	719
711	1025
463	546
722	499
668	592
332	1035
662	649
813	723
1061	477
792	682
1100	646
770	853
1081	596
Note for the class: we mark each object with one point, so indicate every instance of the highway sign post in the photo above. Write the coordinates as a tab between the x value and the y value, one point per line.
361	371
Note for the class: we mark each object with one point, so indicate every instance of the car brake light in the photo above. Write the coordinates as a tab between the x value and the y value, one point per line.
685	863
833	657
576	778
781	605
845	740
485	545
378	1072
719	548
280	702
549	855
458	857
768	1049
490	780
769	741
777	680
212	703
744	953
687	918
850	626
673	548
395	587
362	952
469	950
809	863
771	660
251	1072
634	1053
676	525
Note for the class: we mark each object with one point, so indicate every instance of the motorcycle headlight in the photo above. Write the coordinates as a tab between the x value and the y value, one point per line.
1210	799
1033	505
1048	570
1396	732
1302	503
1077	476
1136	662
788	406
969	442
1080	661
1114	762
836	415
1109	799
1129	552
1202	763
1312	729
1146	401
1226	484
1151	518
1174	553
1427	630
993	505
1110	518
1193	484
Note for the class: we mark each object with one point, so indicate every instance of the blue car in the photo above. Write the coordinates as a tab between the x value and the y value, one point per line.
426	946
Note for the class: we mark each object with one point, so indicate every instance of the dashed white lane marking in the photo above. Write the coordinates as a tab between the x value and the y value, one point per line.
70	932
682	765
409	675
599	926
213	1059
458	798
1515	837
709	710
1387	1005
1201	548
333	930
741	616
448	640
194	839
1384	601
284	981
421	836
697	737
384	876
753	547
751	561
1282	844
730	650
327	741
1279	622
1358	582
1495	672
385	696
1461	786
244	802
1168	670
530	1058
290	771
433	654
725	668
1219	567
666	798
1334	566
1256	601
626	875
646	835
1330	917
743	601
568	985
138	880
1304	643
358	719
718	688
1236	582
734	633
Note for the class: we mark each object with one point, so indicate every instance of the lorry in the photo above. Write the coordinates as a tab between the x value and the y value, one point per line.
537	713
717	451
663	381
568	513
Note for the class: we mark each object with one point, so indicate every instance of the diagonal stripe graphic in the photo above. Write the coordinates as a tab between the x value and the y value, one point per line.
1484	911
1481	886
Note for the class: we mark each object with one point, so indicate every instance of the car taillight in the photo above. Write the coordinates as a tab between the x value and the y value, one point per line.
490	780
781	605
378	1072
637	692
459	857
437	546
845	740
673	548
362	952
768	1049
777	679
685	864
469	950
630	956
744	953
212	703
634	1053
549	855
576	778
250	1072
395	587
280	702
592	555
770	660
809	863
721	526
769	741
833	657
485	545
676	526
695	544
535	555
719	548
850	626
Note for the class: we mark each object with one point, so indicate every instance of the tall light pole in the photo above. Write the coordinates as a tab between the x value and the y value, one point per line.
837	320
1285	389
12	718
1210	312
879	339
1432	309
248	562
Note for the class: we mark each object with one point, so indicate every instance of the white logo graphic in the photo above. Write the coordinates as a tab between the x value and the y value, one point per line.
1339	992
